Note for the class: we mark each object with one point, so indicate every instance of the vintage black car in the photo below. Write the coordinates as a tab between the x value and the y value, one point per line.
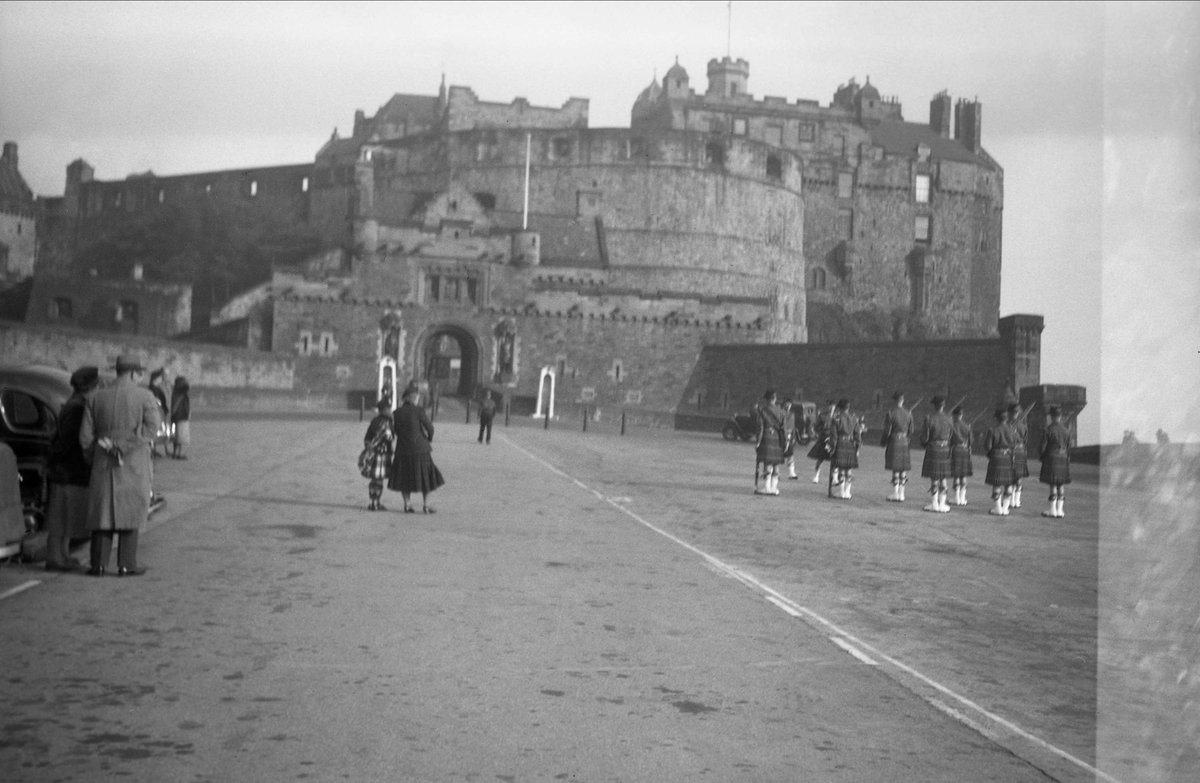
744	426
30	399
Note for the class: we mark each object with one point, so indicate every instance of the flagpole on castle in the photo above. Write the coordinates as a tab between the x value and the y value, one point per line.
528	146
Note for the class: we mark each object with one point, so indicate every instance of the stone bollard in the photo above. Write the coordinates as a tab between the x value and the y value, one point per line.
468	410
622	422
585	417
507	407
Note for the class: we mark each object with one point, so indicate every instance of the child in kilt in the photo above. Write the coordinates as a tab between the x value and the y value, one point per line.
1056	462
376	459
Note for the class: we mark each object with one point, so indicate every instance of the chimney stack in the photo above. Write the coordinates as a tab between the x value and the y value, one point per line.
10	153
968	117
939	114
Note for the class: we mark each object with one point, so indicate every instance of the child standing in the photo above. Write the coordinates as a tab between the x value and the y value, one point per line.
181	414
376	458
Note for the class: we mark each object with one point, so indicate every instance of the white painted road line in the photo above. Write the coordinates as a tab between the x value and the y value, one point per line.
853	651
19	589
781	600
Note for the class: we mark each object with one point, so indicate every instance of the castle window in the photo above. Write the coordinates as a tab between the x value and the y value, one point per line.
846	224
126	314
486	200
305	343
60	309
732	89
923	229
253	188
983	241
714	153
207	188
818	279
739	126
451	289
807	131
304	185
633	397
921	189
117	200
774	167
562	149
615	372
845	184
162	196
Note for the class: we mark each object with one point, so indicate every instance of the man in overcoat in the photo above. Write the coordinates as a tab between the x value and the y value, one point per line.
119	423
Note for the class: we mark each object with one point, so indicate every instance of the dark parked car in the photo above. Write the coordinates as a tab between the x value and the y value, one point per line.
30	399
744	426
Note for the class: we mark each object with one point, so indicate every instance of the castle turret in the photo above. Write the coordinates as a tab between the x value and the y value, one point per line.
968	116
675	83
939	114
727	77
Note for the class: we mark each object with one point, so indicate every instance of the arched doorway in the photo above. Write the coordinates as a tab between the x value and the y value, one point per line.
448	358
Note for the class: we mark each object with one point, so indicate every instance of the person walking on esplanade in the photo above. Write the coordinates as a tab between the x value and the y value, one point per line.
935	437
1020	431
1056	462
412	467
770	445
181	418
997	441
487	414
846	437
960	455
897	430
821	449
376	461
118	424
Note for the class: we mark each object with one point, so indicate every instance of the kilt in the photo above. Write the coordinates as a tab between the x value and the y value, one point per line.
376	465
999	470
1056	468
769	451
897	455
845	455
1020	462
415	473
960	462
937	460
819	450
183	432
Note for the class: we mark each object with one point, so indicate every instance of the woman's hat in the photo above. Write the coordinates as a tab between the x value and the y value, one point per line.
181	382
85	378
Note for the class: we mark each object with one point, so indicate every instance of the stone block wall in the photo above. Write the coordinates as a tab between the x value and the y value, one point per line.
124	306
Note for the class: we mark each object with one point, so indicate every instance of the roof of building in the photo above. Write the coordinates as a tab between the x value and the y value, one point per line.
427	107
676	71
902	138
15	195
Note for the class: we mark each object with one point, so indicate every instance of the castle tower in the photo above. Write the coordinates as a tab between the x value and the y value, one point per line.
727	77
869	103
939	114
79	172
675	83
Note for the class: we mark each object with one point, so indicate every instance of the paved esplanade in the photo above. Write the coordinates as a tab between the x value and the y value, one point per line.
582	607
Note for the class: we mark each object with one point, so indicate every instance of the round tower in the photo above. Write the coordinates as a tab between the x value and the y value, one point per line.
675	83
526	248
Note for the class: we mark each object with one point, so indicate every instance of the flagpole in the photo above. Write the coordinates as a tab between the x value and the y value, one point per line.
528	147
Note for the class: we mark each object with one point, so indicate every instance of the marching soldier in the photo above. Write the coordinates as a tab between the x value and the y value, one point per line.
792	428
846	437
998	443
960	455
935	437
897	429
771	437
822	443
1056	462
1020	430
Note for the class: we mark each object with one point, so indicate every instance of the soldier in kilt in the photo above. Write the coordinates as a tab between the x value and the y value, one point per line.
1020	430
821	449
1056	462
960	455
997	441
935	437
376	459
845	437
897	430
792	429
772	437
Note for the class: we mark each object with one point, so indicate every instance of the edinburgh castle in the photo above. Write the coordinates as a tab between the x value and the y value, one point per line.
471	243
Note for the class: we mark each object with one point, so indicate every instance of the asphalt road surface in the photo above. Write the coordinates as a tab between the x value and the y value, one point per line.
581	607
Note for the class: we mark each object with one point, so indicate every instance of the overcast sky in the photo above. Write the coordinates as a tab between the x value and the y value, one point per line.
1092	109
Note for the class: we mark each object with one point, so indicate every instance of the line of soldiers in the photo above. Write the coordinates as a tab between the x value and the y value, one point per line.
947	440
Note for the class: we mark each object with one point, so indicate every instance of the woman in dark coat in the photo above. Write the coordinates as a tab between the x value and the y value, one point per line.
69	474
413	469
